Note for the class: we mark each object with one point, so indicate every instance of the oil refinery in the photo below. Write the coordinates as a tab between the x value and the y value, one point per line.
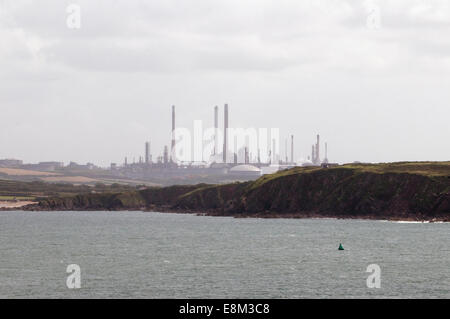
214	155
235	161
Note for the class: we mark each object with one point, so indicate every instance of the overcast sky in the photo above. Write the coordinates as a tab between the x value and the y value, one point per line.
373	78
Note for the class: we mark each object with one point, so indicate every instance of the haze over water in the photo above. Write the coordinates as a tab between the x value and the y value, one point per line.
153	255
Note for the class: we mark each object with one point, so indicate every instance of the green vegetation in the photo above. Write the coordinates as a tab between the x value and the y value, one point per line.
37	189
407	190
419	168
394	190
17	197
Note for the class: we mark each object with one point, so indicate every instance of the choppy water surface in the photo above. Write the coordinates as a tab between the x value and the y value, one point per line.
152	255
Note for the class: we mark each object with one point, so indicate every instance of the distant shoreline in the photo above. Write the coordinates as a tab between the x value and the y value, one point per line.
7	205
404	191
299	215
266	215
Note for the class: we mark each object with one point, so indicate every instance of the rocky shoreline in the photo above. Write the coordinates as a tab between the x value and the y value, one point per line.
263	215
299	215
14	205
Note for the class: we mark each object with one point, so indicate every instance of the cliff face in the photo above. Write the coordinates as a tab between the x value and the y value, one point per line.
116	201
336	192
221	198
147	198
401	191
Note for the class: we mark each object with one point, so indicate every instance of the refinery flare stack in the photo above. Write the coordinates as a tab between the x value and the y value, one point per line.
225	134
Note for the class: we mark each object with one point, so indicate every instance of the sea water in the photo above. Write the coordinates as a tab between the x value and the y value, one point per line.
156	255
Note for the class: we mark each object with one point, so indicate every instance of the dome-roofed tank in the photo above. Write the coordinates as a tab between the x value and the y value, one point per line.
245	169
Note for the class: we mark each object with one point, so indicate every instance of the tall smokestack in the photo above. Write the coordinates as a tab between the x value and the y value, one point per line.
235	151
147	153
273	151
285	151
318	149
225	133
292	149
313	155
246	157
166	155
172	149
216	129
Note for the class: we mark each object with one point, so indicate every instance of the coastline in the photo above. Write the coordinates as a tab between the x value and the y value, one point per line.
164	209
302	215
410	192
8	205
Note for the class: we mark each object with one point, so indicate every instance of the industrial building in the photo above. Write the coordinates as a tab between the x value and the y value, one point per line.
245	170
223	162
44	166
10	163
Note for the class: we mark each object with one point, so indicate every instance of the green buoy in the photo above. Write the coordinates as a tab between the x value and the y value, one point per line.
340	247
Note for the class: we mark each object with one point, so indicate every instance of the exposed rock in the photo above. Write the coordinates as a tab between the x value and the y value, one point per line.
383	191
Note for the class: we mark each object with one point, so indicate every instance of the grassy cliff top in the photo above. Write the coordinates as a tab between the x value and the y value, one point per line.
418	168
391	190
430	169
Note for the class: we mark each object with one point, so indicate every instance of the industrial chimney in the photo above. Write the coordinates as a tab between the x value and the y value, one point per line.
216	129
274	153
325	160
166	155
292	149
225	133
246	157
172	149
317	150
285	151
147	153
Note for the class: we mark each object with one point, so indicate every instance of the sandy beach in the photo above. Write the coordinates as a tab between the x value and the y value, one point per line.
15	204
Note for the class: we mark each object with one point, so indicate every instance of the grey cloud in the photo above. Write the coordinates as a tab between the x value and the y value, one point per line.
305	66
